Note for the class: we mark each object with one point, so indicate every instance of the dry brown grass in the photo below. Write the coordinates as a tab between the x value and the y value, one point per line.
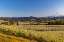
8	38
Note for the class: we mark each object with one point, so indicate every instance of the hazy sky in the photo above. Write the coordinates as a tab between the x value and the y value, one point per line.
38	8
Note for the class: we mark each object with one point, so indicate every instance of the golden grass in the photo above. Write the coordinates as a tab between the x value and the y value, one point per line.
8	38
40	36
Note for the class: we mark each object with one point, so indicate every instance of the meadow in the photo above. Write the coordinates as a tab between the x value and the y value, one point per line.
9	38
40	33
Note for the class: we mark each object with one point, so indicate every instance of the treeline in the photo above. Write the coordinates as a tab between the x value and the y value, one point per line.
40	22
49	22
56	22
10	23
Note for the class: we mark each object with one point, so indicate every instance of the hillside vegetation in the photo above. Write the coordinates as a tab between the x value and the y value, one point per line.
9	38
40	36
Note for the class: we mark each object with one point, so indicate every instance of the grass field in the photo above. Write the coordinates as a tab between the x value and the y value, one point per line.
9	38
38	27
49	34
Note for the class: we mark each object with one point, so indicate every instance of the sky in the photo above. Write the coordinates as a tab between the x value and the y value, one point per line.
26	8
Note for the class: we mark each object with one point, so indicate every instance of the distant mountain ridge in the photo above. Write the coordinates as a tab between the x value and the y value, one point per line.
53	17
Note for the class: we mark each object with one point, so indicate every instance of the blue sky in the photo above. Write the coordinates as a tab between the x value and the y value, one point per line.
25	8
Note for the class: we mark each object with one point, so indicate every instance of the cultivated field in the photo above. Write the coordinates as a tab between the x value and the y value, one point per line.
38	27
40	33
